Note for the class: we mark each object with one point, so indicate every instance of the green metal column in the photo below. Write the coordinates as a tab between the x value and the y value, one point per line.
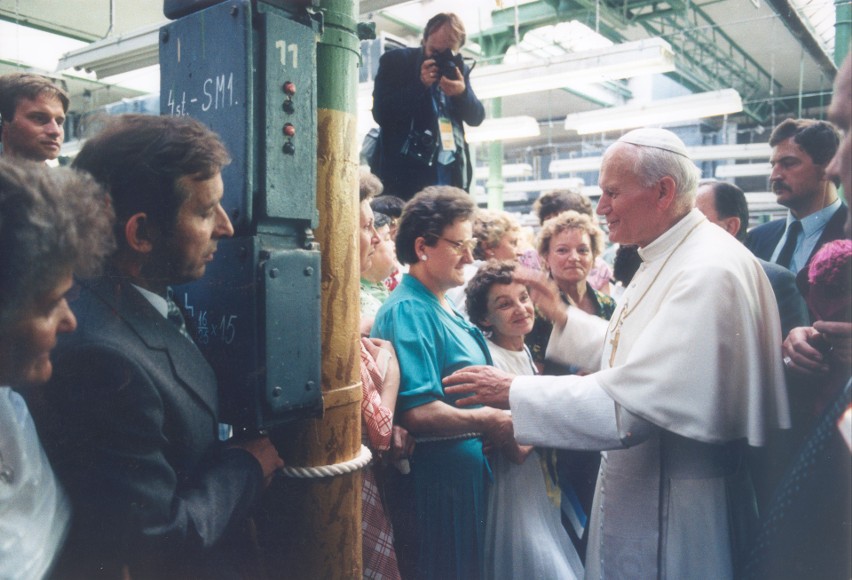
319	520
842	30
495	160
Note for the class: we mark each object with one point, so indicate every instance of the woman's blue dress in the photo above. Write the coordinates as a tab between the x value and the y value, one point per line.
450	477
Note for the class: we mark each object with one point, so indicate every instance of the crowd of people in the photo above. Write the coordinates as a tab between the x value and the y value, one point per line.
534	411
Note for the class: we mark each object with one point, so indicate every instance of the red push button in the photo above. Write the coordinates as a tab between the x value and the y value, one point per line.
289	88
289	130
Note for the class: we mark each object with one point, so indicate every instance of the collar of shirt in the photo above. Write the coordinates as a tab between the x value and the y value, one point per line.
812	228
666	243
157	301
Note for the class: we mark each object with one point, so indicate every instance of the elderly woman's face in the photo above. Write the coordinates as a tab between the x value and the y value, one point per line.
507	249
510	310
384	258
445	261
25	346
570	257
368	239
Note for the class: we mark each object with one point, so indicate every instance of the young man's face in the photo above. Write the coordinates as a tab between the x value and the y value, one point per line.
35	132
201	222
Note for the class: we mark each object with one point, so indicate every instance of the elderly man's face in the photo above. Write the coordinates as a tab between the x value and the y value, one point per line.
630	208
840	113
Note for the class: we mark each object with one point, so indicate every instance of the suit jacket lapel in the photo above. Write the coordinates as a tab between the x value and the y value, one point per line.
158	333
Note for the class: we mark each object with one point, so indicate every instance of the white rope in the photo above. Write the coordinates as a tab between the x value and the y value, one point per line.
359	462
449	437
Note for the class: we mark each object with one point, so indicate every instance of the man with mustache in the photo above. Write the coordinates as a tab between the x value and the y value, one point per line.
130	417
801	150
32	114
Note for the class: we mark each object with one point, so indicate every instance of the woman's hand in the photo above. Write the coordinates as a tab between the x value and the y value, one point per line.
544	294
402	444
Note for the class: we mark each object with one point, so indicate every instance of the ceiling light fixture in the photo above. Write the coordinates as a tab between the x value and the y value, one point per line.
664	111
503	129
629	59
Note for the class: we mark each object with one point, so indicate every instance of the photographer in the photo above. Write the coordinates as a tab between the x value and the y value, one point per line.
421	99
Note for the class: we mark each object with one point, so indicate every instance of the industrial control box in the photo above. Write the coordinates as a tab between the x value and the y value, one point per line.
247	70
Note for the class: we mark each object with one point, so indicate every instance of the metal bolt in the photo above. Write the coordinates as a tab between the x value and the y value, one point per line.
234	10
276	392
164	35
309	385
309	271
273	273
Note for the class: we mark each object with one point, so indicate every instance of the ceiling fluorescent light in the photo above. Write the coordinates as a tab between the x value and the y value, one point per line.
743	170
575	164
509	171
629	59
116	54
659	112
503	129
720	152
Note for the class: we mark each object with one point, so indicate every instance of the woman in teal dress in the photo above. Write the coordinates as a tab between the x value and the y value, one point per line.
432	340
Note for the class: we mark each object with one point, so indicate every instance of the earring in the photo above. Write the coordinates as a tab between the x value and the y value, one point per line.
424	257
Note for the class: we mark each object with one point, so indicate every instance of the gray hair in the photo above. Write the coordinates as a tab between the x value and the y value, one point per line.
654	163
52	222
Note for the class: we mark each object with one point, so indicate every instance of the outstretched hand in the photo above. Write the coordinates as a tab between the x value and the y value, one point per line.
484	385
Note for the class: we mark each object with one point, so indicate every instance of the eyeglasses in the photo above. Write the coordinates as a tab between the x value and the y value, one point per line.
459	247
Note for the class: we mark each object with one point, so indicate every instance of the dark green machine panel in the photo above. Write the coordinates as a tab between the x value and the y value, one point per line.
289	73
247	70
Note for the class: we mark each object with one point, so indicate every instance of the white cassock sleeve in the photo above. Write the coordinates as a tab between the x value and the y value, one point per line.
572	412
580	343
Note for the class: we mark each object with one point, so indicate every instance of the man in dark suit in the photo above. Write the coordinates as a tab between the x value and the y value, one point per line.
129	419
422	110
801	150
725	205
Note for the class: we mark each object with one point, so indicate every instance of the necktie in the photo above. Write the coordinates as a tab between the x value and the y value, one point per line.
175	317
786	255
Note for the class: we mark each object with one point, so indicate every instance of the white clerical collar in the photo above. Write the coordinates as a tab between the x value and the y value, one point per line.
157	301
669	239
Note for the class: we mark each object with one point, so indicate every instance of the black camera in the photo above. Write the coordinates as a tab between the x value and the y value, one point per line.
420	146
448	63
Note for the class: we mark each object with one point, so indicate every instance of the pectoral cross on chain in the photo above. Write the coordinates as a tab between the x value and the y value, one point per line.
616	335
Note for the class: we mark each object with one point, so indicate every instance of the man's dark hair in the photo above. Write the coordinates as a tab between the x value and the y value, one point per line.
52	221
442	18
427	215
17	86
554	202
819	139
140	158
477	289
381	219
730	201
390	205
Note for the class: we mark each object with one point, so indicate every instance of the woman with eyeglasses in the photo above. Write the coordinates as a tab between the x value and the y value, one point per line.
432	340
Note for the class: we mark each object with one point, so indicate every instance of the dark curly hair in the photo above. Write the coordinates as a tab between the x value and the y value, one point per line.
52	222
554	202
427	215
819	139
486	277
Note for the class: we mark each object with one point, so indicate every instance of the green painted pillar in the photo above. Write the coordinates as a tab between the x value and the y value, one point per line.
495	160
842	30
319	520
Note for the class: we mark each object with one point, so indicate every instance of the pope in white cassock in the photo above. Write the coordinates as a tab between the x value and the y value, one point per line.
689	373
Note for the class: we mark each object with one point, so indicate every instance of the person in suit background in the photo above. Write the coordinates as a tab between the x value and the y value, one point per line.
129	419
801	150
422	111
32	116
725	205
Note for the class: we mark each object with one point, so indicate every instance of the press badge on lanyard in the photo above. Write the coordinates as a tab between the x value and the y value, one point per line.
445	126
